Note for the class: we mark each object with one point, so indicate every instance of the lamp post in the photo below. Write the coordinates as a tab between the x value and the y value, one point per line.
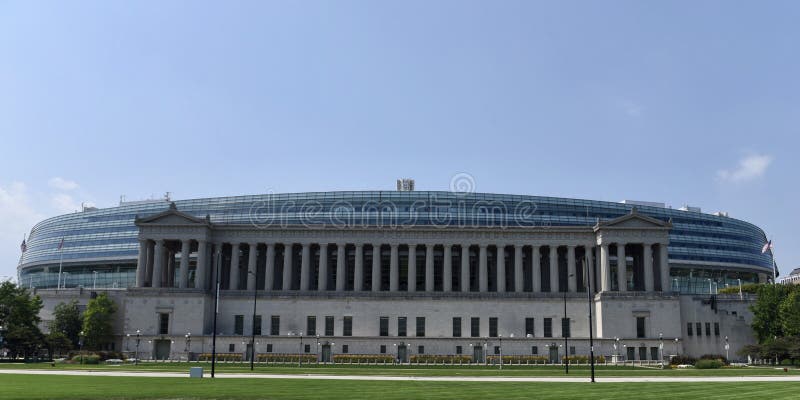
625	346
253	328
589	299
564	329
81	338
138	338
171	348
316	349
188	348
300	352
616	350
500	337
727	347
661	347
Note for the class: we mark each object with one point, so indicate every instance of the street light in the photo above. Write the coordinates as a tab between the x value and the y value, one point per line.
727	347
676	346
138	336
188	348
661	347
565	323
500	337
300	353
253	328
316	349
589	298
81	338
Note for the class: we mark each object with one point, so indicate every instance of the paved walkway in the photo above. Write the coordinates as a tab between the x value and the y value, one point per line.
786	378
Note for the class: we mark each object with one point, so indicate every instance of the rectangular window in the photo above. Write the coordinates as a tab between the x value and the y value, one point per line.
384	326
329	325
708	328
493	326
643	353
307	348
572	350
688	329
698	327
456	326
534	350
496	349
716	328
347	326
402	329
565	327
475	327
257	325
459	350
275	325
383	349
231	348
529	327
345	349
238	324
163	323
548	327
640	332
654	353
420	349
311	325
269	347
631	353
420	326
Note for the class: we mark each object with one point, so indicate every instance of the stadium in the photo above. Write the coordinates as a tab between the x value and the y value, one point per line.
405	274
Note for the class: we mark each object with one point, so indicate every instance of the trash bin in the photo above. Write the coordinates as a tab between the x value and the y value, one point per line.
196	372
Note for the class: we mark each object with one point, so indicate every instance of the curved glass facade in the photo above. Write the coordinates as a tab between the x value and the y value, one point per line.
100	246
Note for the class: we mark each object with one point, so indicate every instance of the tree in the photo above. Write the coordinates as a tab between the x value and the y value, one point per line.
766	324
67	321
58	342
19	317
98	321
789	312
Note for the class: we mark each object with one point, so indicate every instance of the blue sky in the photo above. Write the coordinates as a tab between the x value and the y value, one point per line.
679	102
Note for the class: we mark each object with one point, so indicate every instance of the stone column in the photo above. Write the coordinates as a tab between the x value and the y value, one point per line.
483	271
141	264
322	285
663	258
519	286
572	276
501	268
394	269
169	276
412	268
536	268
428	267
158	263
447	276
648	267
341	275
235	272
554	287
287	266
305	267
201	271
251	267
605	269
186	248
376	267
588	259
359	272
148	271
269	271
465	286
622	268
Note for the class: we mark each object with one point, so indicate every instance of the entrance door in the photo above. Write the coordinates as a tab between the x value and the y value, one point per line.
248	352
326	353
554	355
477	354
402	354
162	349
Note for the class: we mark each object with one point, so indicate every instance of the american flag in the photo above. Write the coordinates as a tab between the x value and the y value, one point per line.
767	246
61	245
23	246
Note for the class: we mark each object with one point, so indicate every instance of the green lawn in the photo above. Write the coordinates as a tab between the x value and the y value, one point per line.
83	387
421	370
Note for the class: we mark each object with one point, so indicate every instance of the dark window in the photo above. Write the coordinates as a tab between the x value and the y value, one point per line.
269	347
275	325
572	350
493	327
163	323
311	325
534	350
329	325
475	327
307	348
347	326
565	327
420	349
496	349
548	327
708	329
456	326
698	327
345	348
643	353
257	325
384	326
238	325
716	328
459	350
529	327
231	348
420	326
640	327
383	349
401	326
654	353
689	329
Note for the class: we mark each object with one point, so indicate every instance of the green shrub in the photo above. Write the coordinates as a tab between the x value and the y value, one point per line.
708	364
680	360
90	358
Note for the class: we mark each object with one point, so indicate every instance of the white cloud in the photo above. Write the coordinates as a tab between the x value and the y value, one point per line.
64	203
750	167
62	184
17	216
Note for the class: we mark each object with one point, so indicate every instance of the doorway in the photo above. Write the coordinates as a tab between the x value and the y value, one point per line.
553	354
477	355
161	349
326	353
402	354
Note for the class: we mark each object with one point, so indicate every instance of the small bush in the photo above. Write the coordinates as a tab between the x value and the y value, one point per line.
87	359
682	360
708	364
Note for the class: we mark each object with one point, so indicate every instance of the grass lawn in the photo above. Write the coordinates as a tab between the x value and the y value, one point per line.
84	387
419	370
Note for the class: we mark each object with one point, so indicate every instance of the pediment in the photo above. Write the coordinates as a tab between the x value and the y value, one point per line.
172	217
634	220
